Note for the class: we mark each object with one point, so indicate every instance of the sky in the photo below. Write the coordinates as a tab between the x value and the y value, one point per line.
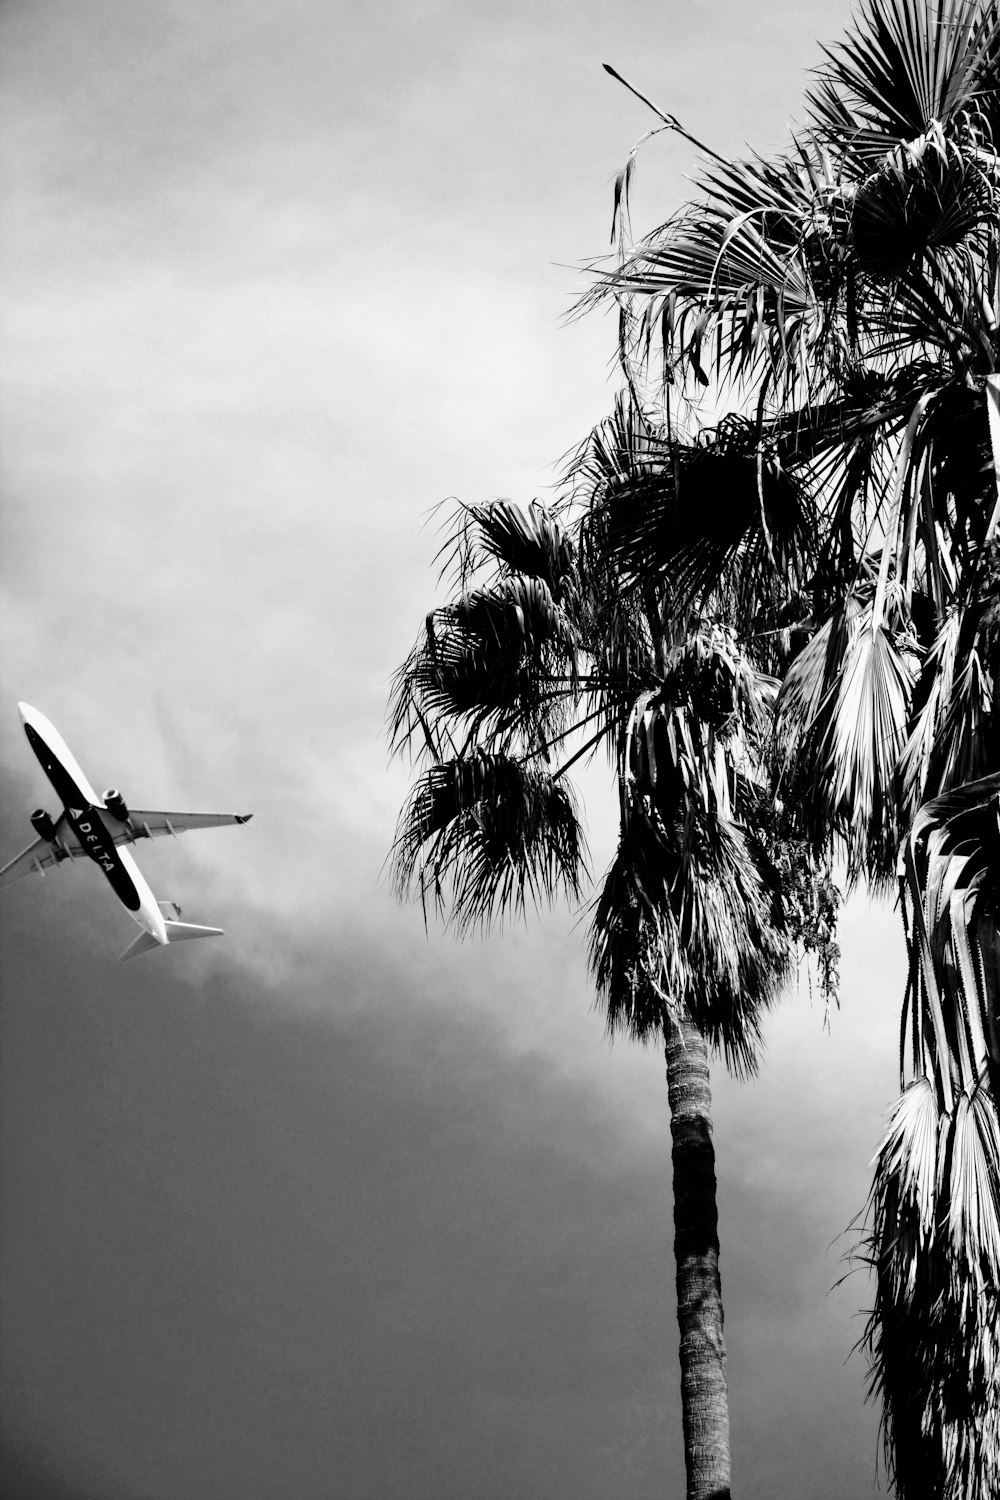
336	1207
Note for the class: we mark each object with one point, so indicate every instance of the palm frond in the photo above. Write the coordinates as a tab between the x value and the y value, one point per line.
689	918
731	279
693	925
953	738
904	64
729	519
483	836
934	1236
843	711
691	740
485	660
927	194
944	305
530	543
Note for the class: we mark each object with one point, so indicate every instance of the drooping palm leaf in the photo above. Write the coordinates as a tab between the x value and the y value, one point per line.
842	712
954	736
724	283
689	919
693	931
934	1237
484	836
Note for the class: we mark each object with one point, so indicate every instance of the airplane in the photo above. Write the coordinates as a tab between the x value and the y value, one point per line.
98	828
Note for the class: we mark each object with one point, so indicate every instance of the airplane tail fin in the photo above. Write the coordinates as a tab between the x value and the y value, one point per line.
177	932
141	944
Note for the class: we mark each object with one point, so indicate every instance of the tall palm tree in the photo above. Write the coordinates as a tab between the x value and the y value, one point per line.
543	654
846	294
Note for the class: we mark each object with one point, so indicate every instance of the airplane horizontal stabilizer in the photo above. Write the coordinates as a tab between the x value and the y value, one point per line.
179	932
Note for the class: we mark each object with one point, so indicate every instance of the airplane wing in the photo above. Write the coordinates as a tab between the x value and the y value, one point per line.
153	825
42	855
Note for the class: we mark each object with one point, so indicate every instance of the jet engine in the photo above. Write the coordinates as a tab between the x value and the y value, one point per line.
43	825
115	804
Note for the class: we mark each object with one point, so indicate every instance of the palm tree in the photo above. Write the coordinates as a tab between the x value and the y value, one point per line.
543	654
846	293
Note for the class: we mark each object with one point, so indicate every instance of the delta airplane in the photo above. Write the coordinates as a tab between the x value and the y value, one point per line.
98	828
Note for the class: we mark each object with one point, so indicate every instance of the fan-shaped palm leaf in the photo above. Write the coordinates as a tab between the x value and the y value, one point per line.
730	517
486	658
926	194
843	711
526	543
904	64
484	835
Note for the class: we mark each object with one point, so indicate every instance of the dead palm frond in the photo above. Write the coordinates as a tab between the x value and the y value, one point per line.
689	919
842	715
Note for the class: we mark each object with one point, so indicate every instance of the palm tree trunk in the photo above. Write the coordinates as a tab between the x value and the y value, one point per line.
704	1388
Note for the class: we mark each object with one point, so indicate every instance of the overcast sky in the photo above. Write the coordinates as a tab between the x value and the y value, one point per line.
334	1210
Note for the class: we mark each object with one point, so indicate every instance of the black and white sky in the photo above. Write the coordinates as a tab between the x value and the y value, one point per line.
335	1209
